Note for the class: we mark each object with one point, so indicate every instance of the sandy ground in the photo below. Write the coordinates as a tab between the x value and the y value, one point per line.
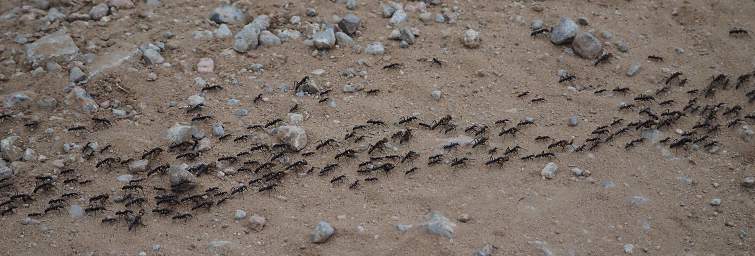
511	207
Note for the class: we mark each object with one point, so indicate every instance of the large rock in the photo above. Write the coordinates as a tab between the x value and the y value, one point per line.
9	150
324	40
587	45
227	14
322	232
349	24
179	133
564	32
246	39
58	47
294	136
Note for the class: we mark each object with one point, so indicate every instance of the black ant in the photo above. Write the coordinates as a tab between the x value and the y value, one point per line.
199	118
451	146
437	61
182	216
523	94
622	90
411	171
738	31
498	160
372	91
267	188
566	78
479	141
539	31
257	99
102	121
393	66
338	179
273	122
407	119
459	161
599	91
77	128
603	58
655	58
354	185
152	153
212	88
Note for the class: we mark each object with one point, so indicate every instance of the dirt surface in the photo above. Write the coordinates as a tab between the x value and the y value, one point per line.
659	204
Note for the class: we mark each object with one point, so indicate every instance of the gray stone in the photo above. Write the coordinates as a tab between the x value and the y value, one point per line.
76	75
204	144
181	179
125	178
622	46
436	94
486	250
439	18
261	22
83	99
573	121
439	225
218	130
195	100
40	4
223	31
746	133
350	88
406	35
349	24
138	166
608	184
351	4
322	232
115	57
246	39
120	113
76	211
53	67
587	45
242	112
5	170
54	14
58	46
606	35
375	48
426	18
294	136
152	56
564	32
29	155
403	228
471	39
638	200
311	12
343	39
202	35
121	4
634	69
29	221
295	118
14	99
295	20
288	35
537	24
99	11
239	215
388	10
715	202
222	248
179	133
549	171
256	223
267	38
748	182
579	172
398	17
324	40
628	248
227	14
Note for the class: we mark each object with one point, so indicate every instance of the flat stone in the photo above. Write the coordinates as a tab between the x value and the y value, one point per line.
115	57
634	69
343	39
471	39
375	48
58	47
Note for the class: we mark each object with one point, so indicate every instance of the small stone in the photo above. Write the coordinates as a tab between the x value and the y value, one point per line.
14	99
179	133
295	20
564	32
398	17
388	10
221	248
406	35
119	113
294	136
205	65
622	46
322	232
628	248
403	227
486	250
748	182
436	94
582	21
537	24
29	221
138	166
679	50
195	100
324	40
223	31
351	88
638	200
246	39
227	14
606	35
746	132
375	48
311	12
47	103
125	178
261	22
76	211
267	38
351	4
715	202
76	75
573	121
152	56
426	18
437	224
349	24
9	150
180	179
57	47
295	118
29	155
634	69
239	215
121	4
587	45
579	172
439	18
218	130
99	11
202	35
343	39
242	112
549	171
464	218
256	223
288	35
471	39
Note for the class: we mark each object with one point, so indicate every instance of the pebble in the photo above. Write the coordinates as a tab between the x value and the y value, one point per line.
179	176
537	24
375	48
14	99
486	250
121	4
439	18
261	22
227	14
350	88
549	171
85	100
606	35
564	32
715	202
426	18
622	46
322	232
295	118
206	65
634	69
579	172
464	218
439	225
99	11
471	38
202	35
295	20
638	200
587	46
436	94
403	228
288	35
195	100
221	248
311	12
398	17
138	166
76	75
76	211
349	24
324	40
351	4
242	112
389	9
152	57
748	182
179	133
343	39
246	39
29	221
256	223
223	31
218	130
628	248
573	121
267	38
406	35
293	135
125	178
